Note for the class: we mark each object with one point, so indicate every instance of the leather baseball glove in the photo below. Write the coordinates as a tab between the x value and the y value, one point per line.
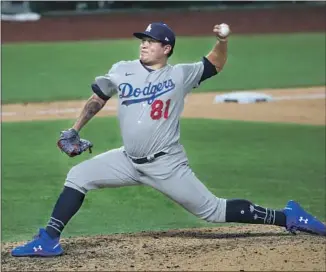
71	144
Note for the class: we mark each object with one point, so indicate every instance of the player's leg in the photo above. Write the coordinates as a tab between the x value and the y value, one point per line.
110	169
171	175
179	183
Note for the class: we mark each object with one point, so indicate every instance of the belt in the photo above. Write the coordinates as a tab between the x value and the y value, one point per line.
148	158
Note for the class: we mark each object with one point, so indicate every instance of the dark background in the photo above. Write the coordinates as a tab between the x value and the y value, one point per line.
55	7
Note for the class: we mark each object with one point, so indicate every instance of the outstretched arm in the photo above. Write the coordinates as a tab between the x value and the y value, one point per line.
93	105
218	55
69	141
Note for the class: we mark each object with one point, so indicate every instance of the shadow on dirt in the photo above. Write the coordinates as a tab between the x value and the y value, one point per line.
211	235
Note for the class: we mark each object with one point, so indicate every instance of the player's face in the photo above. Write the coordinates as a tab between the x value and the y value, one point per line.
152	51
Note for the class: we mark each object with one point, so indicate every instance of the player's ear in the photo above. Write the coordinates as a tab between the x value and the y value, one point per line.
167	49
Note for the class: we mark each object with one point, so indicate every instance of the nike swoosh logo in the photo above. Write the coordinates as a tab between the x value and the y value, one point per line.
129	74
287	208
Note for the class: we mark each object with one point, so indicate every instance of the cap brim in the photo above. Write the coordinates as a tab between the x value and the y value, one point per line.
141	35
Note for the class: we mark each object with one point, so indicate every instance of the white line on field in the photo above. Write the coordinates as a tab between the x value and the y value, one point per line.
53	111
8	113
297	97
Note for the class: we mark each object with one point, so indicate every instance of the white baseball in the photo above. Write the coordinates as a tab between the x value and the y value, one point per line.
224	30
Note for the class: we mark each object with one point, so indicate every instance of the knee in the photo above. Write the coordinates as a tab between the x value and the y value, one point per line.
75	172
76	179
216	212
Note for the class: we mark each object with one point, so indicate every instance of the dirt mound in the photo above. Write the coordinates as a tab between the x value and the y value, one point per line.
263	248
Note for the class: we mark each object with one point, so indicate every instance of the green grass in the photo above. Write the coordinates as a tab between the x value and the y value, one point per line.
265	163
60	71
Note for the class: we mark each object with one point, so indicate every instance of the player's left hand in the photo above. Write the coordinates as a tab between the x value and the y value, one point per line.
222	31
70	143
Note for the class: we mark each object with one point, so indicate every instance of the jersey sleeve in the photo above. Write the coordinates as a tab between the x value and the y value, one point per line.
106	86
195	73
191	74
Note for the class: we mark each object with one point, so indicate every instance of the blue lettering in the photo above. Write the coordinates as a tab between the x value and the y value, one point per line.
171	83
159	87
146	89
126	90
137	92
153	89
150	92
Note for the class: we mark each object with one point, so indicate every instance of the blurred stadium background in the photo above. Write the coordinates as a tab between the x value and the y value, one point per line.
76	7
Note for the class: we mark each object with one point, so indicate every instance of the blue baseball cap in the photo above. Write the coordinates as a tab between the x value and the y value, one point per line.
158	31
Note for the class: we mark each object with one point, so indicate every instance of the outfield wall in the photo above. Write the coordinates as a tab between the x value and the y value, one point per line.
184	22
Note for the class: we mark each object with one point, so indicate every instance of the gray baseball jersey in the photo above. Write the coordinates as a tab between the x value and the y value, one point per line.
150	105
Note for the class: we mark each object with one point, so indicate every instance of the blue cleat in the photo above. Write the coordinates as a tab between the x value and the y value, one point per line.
42	246
297	219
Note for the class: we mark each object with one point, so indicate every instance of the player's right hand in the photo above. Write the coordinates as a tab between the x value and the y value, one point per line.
71	144
222	31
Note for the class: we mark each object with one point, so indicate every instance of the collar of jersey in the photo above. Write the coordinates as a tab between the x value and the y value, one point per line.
148	69
152	70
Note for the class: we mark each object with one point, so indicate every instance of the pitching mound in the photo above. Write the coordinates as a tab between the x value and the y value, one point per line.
246	248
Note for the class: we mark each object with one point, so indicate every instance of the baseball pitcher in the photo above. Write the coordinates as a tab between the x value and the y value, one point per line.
151	96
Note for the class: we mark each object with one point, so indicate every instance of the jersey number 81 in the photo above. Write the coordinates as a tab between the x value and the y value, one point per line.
160	108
